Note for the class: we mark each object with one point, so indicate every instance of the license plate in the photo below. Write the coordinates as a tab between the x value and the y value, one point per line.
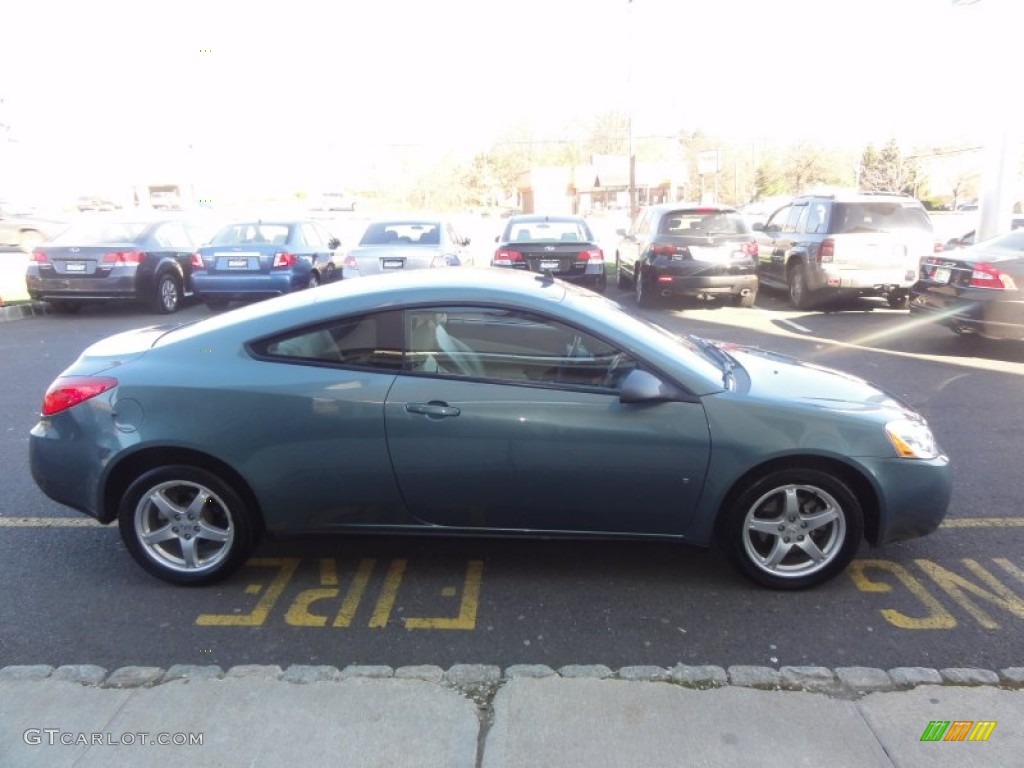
940	275
75	266
710	253
549	265
238	263
392	263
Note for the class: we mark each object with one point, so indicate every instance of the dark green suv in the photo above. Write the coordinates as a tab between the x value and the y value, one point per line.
850	243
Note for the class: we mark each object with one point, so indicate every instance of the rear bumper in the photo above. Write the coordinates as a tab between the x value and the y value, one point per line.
668	284
866	282
82	288
250	286
970	311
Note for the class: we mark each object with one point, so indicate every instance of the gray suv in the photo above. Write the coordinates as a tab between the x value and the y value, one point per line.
852	243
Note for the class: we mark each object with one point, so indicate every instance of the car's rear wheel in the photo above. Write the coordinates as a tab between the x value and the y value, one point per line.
65	307
314	280
167	294
185	525
640	289
898	299
799	294
620	277
793	528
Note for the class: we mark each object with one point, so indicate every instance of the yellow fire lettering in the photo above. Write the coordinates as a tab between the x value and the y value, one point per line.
355	593
957	586
467	608
286	570
937	617
388	594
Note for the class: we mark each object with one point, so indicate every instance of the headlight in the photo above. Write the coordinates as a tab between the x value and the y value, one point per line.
912	439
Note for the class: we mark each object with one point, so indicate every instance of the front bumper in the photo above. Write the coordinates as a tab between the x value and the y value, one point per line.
914	496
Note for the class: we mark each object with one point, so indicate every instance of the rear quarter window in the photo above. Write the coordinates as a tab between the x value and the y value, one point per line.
864	217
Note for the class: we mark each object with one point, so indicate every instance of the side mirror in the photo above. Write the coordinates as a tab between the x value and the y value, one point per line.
497	238
620	232
334	243
466	240
758	226
642	387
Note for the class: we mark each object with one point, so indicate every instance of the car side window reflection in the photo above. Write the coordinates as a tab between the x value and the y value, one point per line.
365	341
510	346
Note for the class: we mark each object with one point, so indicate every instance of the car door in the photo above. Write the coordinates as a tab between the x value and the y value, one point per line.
631	243
775	241
533	435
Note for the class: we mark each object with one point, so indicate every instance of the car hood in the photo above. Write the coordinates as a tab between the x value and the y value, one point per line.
773	376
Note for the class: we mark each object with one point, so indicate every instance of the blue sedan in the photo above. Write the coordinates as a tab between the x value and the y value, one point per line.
258	259
470	401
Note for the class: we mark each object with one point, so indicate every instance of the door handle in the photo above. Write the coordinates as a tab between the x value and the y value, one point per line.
433	409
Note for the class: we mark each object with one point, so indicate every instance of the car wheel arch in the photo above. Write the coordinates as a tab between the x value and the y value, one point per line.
854	478
133	466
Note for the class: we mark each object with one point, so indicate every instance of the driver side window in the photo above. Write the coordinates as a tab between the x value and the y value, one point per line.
511	347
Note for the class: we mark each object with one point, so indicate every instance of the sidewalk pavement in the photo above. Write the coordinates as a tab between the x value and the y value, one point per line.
531	716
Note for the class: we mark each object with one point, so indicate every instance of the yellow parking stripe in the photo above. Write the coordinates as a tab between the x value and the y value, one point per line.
984	522
49	522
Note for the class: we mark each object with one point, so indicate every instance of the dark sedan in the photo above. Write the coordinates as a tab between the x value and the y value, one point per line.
251	260
975	290
465	401
104	259
681	249
562	246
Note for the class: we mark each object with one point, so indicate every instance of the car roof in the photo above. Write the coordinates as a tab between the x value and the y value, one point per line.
857	196
692	206
531	217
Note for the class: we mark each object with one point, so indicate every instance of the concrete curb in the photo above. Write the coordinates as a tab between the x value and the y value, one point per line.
842	682
20	311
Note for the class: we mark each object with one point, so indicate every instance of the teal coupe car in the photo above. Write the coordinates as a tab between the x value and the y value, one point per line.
477	401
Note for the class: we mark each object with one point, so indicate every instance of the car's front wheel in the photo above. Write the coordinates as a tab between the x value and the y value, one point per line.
185	525
793	528
167	295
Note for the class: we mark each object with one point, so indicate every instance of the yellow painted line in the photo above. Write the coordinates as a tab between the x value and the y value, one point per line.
49	522
984	522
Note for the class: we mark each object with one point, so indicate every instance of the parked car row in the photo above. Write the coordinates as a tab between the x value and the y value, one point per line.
160	260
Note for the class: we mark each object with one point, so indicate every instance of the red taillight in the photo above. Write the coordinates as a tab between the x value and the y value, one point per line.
750	249
506	258
349	262
39	257
283	260
939	248
987	276
68	391
591	255
659	249
197	261
827	250
122	257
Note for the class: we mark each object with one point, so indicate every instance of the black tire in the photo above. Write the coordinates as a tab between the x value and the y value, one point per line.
216	305
640	289
167	295
745	300
600	285
765	522
898	300
799	294
314	280
201	503
65	307
620	278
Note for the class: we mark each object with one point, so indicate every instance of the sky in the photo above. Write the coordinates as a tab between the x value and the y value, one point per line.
112	87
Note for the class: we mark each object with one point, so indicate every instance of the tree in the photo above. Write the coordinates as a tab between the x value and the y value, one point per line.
886	170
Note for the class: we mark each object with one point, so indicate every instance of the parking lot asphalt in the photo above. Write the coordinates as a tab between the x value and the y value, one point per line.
478	715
